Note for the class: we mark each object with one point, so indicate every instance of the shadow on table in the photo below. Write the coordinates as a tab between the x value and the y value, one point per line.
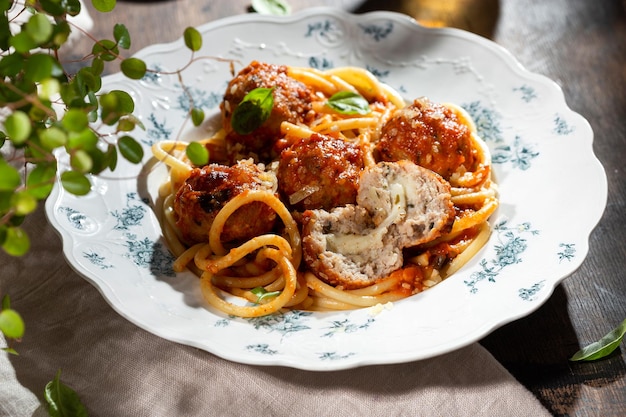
477	16
536	350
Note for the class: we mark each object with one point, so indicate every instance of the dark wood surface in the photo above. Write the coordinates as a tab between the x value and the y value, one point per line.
581	45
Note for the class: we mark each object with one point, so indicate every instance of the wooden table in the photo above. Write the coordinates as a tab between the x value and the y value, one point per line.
582	46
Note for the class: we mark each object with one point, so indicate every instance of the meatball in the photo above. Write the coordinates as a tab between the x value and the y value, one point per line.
292	103
399	205
320	172
205	192
429	134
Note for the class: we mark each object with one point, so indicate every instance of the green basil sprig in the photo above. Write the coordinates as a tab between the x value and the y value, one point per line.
603	347
253	111
348	102
262	294
63	400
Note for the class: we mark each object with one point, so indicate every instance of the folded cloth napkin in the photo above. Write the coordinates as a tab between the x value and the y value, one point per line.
118	369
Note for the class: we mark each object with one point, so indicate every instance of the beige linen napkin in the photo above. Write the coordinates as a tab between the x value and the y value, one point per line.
121	370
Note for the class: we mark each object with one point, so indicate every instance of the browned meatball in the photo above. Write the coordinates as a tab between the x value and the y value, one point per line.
320	172
430	135
206	191
292	102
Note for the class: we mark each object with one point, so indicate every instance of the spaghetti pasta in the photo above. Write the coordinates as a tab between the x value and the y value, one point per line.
261	270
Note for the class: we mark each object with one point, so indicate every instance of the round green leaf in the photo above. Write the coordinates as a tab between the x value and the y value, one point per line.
23	203
9	177
22	42
193	39
133	68
75	182
75	120
197	116
130	149
16	242
39	28
52	137
18	127
85	139
49	87
103	6
41	179
197	154
121	35
11	324
38	67
81	161
105	49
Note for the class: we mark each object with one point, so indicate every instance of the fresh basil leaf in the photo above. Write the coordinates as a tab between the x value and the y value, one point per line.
62	400
603	347
262	294
271	7
348	102
253	111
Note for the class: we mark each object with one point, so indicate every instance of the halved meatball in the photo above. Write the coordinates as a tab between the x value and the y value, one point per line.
292	103
205	192
320	172
429	134
399	205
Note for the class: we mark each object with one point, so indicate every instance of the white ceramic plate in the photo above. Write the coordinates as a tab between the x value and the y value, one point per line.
552	188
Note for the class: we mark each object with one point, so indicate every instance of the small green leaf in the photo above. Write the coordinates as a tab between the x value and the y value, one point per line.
75	182
197	116
197	154
23	203
38	67
22	42
121	35
16	242
130	149
85	139
271	7
63	400
193	39
39	28
40	180
115	104
9	177
81	161
253	111
105	49
347	102
133	68
52	137
48	88
11	324
6	302
75	120
603	347
18	127
103	6
262	294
